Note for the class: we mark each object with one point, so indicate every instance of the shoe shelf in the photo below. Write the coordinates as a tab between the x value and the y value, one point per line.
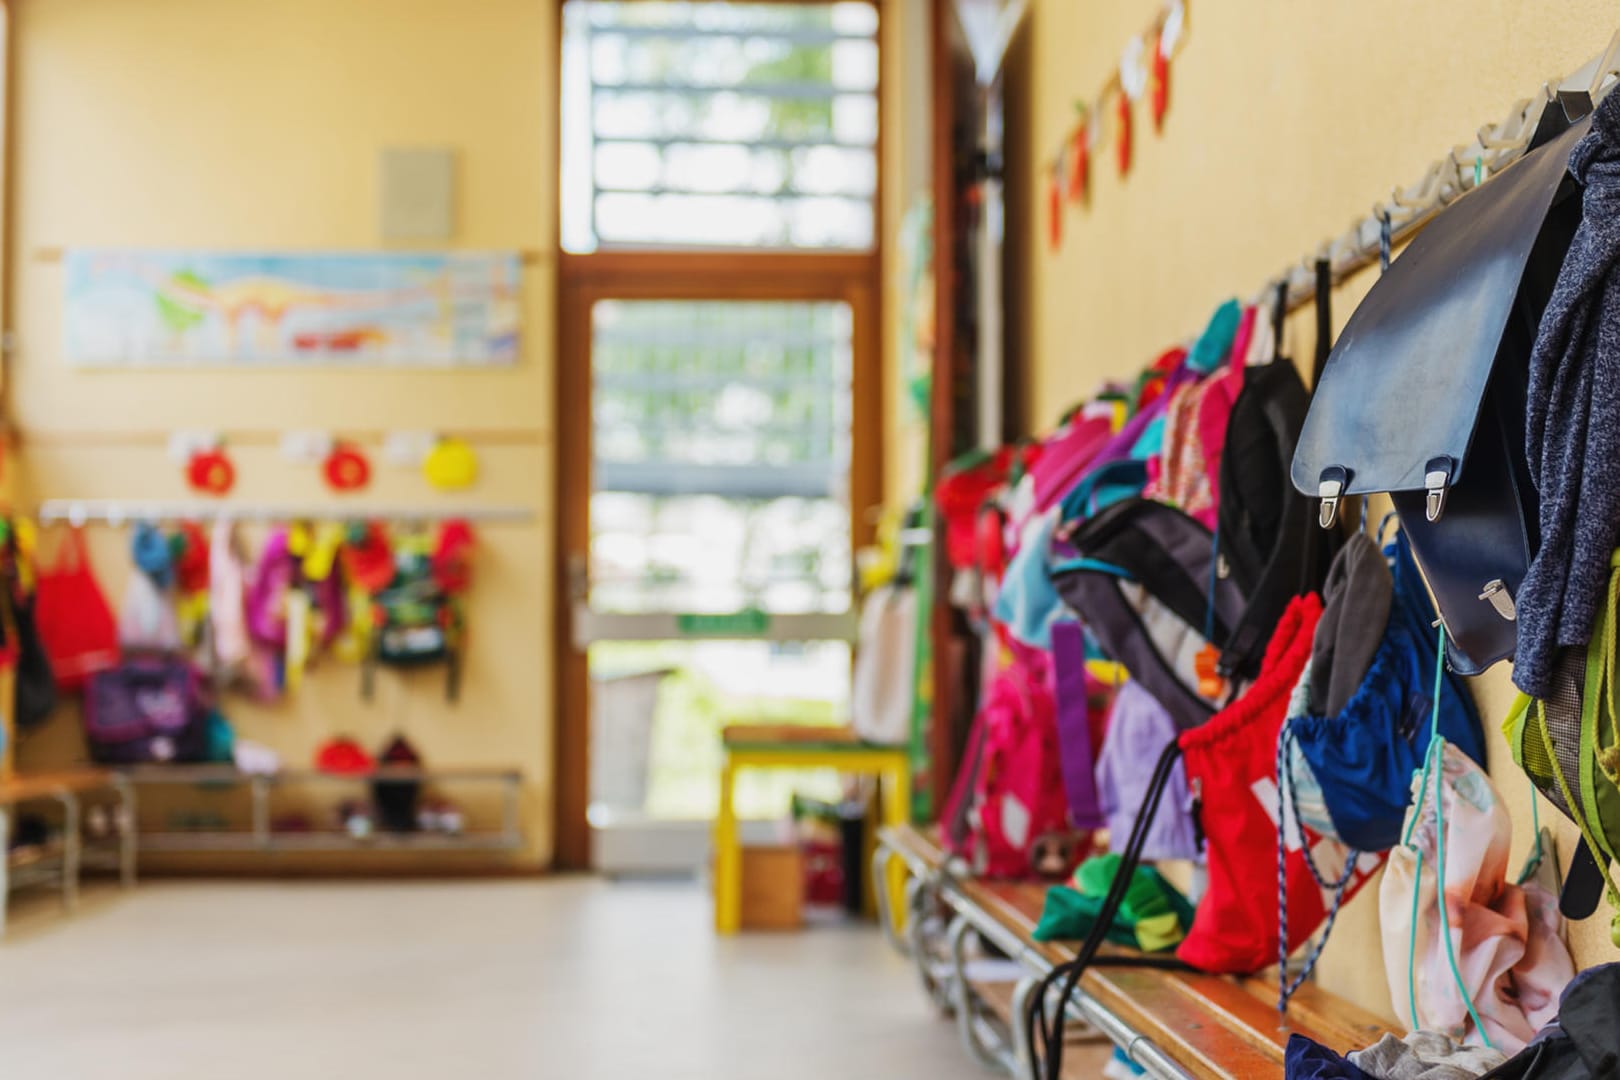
262	836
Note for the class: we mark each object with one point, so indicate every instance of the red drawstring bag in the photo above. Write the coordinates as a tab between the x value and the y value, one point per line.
1231	764
75	624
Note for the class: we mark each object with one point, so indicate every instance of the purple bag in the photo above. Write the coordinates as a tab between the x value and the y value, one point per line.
1139	729
150	710
1074	724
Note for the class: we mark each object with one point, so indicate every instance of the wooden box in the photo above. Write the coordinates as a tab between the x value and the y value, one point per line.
772	888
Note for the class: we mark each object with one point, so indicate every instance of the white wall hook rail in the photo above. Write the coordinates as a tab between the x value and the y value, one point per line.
119	511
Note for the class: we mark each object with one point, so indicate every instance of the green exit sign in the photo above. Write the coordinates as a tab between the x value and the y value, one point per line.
736	624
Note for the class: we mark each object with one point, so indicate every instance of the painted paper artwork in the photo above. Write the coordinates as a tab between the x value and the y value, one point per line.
136	308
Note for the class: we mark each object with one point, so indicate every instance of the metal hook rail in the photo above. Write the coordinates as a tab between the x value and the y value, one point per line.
1462	168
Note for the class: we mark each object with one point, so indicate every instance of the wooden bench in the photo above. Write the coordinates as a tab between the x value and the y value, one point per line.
800	746
1176	1025
61	862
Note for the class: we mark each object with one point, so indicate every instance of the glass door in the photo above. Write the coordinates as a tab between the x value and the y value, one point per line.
718	576
718	396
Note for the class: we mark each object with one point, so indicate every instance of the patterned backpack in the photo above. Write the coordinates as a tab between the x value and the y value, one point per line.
1008	813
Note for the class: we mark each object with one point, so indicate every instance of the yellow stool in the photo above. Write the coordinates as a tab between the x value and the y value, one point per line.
796	746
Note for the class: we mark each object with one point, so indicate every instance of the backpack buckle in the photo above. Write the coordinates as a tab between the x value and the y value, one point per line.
1330	488
1496	591
1436	482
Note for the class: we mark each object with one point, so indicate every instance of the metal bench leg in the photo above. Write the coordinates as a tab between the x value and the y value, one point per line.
1023	1053
72	845
923	930
967	1016
124	818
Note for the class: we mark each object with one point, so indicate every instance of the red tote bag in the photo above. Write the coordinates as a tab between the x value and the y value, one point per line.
75	624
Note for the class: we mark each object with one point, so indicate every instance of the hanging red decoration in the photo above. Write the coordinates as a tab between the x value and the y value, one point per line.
1054	211
1122	143
346	468
210	472
1160	92
1080	160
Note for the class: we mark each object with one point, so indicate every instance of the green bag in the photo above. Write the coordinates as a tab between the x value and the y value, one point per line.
1569	746
1154	915
415	624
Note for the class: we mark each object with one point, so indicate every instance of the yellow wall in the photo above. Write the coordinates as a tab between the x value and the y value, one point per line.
244	124
1286	121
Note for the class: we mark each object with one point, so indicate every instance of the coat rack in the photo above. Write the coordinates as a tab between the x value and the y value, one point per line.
124	511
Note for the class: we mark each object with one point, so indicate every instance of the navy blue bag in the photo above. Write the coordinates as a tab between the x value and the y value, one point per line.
1363	757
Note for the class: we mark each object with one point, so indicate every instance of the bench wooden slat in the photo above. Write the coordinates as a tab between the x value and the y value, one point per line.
1326	1017
1218	1027
917	845
1181	1024
25	787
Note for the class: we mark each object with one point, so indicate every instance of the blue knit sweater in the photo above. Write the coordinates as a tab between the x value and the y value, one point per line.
1572	430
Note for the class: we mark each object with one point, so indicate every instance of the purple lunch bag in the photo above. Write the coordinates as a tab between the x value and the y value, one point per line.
147	710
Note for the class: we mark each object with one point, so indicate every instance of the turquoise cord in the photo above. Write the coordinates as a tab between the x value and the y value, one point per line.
1532	862
1445	921
1411	945
1436	752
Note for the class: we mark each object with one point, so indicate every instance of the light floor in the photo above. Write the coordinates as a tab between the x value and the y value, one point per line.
485	980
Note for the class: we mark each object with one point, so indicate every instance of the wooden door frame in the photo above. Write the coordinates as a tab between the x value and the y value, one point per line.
582	281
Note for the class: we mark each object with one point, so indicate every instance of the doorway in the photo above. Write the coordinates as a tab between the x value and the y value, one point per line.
718	408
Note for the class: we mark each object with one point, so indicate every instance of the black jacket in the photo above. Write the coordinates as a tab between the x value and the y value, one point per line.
1585	1042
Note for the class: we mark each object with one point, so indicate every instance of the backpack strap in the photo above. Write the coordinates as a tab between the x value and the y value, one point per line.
452	652
1268	538
1043	1033
1324	318
368	667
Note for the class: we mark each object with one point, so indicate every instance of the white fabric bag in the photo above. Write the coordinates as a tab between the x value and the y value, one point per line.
885	665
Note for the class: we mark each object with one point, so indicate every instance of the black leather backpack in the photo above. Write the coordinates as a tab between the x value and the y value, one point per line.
1423	396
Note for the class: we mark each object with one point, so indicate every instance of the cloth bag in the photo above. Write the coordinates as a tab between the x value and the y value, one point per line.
34	692
1511	961
75	623
147	621
1231	769
1153	916
1363	755
1139	729
885	662
150	710
1143	582
1009	802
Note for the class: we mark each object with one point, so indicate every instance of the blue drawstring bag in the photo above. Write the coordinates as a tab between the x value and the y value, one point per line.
1363	757
152	554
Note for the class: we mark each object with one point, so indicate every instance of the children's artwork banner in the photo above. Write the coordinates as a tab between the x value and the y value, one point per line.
140	308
